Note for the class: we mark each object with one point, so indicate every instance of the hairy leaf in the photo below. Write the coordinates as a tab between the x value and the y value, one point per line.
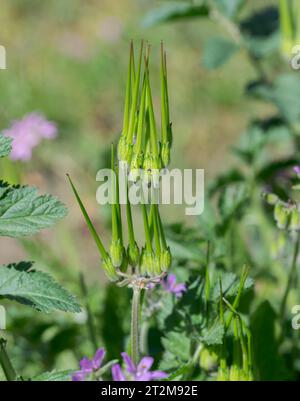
36	289
54	376
214	334
5	145
24	212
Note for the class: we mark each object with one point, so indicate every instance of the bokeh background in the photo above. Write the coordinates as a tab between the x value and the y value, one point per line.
68	60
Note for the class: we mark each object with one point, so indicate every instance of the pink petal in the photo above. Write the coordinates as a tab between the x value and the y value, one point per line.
98	358
117	374
145	364
130	367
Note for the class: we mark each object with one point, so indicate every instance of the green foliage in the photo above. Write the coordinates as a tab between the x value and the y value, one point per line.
229	8
54	376
36	289
5	145
217	51
24	212
175	12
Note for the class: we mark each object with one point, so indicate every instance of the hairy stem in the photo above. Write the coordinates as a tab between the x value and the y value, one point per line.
5	362
290	277
90	323
135	312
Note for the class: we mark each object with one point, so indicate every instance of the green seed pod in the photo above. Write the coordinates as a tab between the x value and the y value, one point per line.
147	166
295	220
135	166
133	253
208	359
270	198
165	154
244	376
281	215
223	375
124	264
116	252
147	263
165	259
109	269
234	373
156	265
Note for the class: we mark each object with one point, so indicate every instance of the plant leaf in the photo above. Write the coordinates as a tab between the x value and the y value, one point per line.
5	145
36	289
229	8
24	212
217	51
214	334
54	376
174	12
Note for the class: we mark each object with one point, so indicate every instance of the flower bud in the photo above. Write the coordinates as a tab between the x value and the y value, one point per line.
147	263
116	252
156	265
234	373
135	166
109	268
124	263
222	375
270	198
133	254
281	215
208	359
295	220
165	259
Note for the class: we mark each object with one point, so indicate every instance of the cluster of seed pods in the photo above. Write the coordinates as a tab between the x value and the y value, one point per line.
138	150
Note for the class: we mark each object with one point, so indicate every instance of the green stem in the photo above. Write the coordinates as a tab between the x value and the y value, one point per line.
290	278
135	312
90	323
5	362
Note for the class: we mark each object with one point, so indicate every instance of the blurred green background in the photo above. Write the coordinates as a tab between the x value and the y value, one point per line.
68	60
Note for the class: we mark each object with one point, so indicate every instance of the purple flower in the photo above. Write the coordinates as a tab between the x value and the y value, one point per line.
27	133
170	285
141	372
88	366
297	170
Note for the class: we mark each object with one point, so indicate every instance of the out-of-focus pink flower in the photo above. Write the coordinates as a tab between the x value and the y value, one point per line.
297	170
88	366
141	372
110	29
27	133
171	286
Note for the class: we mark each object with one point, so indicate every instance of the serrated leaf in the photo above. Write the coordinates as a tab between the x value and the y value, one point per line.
5	145
214	334
24	212
174	12
54	376
178	345
217	51
230	285
36	289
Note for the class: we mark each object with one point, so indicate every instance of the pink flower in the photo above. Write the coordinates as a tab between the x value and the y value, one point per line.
141	372
170	286
88	366
27	133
